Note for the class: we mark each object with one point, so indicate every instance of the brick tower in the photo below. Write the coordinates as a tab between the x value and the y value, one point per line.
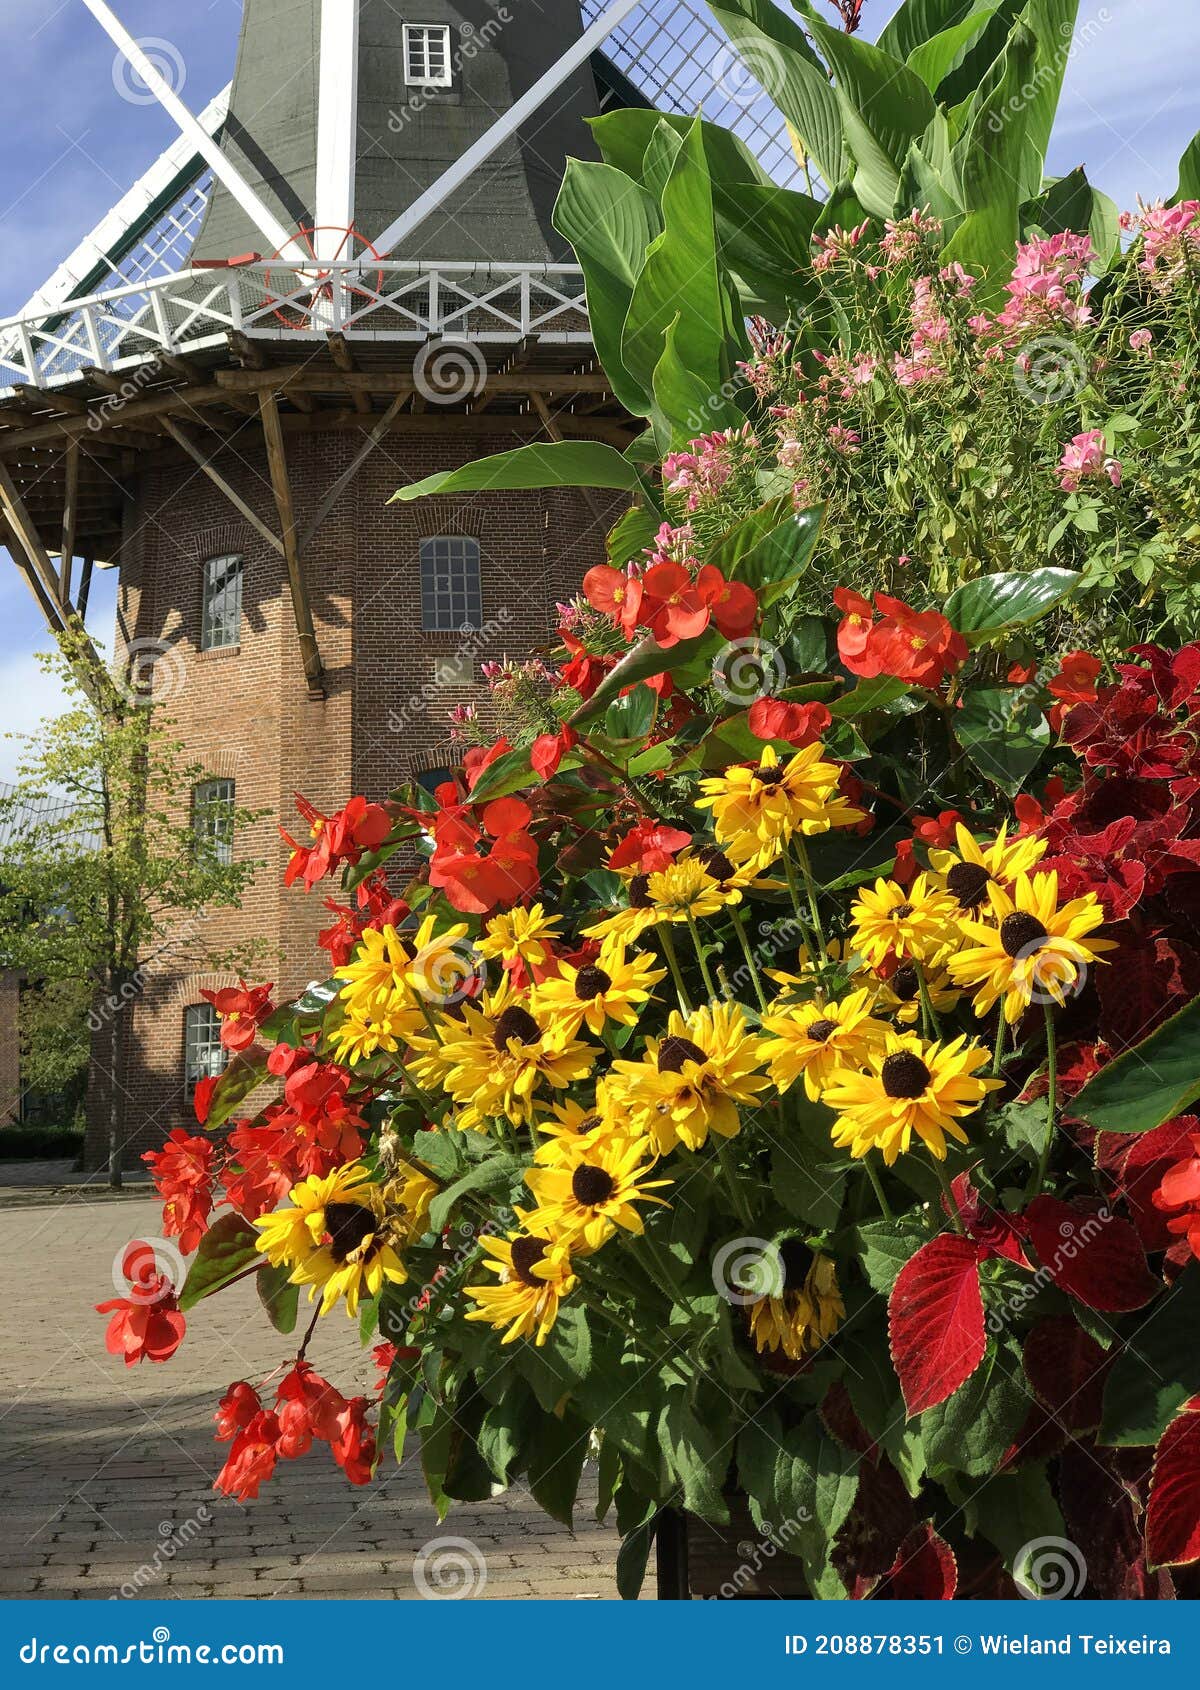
372	290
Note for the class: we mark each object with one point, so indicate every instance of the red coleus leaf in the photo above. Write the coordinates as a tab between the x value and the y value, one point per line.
924	1570
935	1317
1066	1367
1091	1254
1173	1510
995	1233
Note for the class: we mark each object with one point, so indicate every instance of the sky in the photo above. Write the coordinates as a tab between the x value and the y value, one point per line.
78	134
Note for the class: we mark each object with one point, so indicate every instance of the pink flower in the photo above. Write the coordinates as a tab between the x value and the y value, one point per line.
844	440
1167	232
836	244
1087	457
1141	340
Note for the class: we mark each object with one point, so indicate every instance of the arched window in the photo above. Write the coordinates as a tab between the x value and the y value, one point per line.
451	587
221	610
204	1056
212	818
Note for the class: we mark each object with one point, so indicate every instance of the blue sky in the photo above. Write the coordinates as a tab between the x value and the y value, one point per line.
74	142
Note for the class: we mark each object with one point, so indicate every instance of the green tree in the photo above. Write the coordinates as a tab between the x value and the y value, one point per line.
107	873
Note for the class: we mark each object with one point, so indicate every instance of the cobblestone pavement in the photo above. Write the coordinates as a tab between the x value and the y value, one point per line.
106	1471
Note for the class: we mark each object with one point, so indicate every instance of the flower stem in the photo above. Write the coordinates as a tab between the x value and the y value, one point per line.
733	1179
665	1269
885	1207
704	973
810	886
943	1174
789	868
668	945
928	1013
998	1058
1039	1178
739	927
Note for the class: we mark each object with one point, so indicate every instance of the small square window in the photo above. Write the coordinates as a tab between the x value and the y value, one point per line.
451	589
204	1056
212	819
427	55
221	615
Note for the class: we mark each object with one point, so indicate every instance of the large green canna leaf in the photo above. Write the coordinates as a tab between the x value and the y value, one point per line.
960	84
559	463
777	53
1053	25
1070	203
686	404
918	21
623	137
934	59
885	108
658	161
1189	173
610	222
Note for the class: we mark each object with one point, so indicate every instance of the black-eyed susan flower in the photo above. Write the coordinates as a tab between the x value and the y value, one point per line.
377	976
910	1086
812	1040
691	1082
898	992
534	1276
1028	947
760	806
805	1310
968	871
566	1122
913	923
364	1033
678	893
501	1055
612	987
592	1188
520	935
341	1234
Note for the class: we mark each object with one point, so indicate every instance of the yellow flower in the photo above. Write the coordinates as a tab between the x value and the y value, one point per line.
362	1034
342	1233
812	1040
520	935
591	1190
569	1121
759	806
501	1056
691	1082
610	988
534	1276
807	1308
670	894
911	1086
899	994
968	872
916	923
378	976
1030	947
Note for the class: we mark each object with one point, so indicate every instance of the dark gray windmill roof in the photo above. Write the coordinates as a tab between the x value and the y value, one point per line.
408	136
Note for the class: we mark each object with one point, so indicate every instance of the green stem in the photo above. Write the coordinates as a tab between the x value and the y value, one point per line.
419	1000
733	1179
810	886
789	869
739	927
943	1174
1039	1179
665	1268
928	1013
998	1058
668	945
704	973
631	1331
885	1207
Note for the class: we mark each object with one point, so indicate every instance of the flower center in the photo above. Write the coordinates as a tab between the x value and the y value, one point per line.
639	892
797	1259
906	983
968	882
716	864
821	1030
349	1225
902	912
591	1186
904	1074
1021	933
591	982
526	1254
673	1052
515	1023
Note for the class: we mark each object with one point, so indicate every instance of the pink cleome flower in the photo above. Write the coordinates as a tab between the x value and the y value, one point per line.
1087	458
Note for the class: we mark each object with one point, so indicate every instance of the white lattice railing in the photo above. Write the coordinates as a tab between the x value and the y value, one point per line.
368	300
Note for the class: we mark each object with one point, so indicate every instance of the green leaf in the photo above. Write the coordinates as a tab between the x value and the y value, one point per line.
628	720
935	58
1189	173
639	663
694	1457
801	1484
1013	1510
506	1429
631	536
884	1247
226	1250
918	21
802	1178
632	1558
885	108
244	1072
278	1296
875	693
1155	1374
970	1431
610	222
1071	204
1004	732
1149	1084
494	1175
558	1447
982	607
774	543
556	463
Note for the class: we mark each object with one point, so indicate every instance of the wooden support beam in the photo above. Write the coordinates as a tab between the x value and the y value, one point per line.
246	351
45	601
99	426
284	503
347	476
344	359
70	517
205	463
21	525
85	588
312	378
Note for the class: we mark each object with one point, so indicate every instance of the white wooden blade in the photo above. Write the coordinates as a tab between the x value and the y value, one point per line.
337	128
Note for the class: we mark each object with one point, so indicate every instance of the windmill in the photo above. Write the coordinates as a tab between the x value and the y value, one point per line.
341	276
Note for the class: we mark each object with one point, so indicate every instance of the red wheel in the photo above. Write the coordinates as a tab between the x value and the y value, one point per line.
295	291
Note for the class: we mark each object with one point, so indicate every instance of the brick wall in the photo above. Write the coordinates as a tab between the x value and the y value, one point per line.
246	713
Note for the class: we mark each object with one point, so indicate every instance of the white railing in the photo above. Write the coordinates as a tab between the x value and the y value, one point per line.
376	300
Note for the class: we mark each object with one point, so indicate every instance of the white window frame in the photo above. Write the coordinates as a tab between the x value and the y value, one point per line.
427	56
451	584
212	817
221	602
204	1056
